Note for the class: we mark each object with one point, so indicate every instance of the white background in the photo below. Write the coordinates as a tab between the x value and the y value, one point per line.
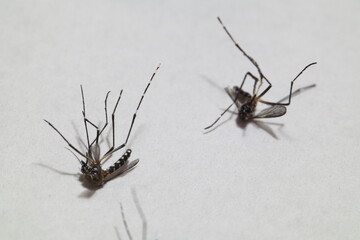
299	182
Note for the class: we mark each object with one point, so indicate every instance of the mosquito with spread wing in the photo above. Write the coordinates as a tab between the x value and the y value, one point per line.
246	102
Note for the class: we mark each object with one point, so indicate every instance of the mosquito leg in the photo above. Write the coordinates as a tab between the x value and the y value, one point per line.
142	97
70	145
96	138
92	124
262	76
85	120
227	109
266	89
83	113
298	91
112	150
253	77
74	155
236	98
246	55
113	119
113	122
106	118
291	87
95	151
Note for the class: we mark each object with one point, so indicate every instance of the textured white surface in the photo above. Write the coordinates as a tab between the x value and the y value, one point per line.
232	183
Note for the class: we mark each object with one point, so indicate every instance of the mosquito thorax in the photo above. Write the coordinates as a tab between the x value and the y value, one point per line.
246	111
93	174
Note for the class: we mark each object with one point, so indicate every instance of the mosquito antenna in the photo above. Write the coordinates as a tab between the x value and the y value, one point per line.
141	99
141	213
298	91
125	223
227	109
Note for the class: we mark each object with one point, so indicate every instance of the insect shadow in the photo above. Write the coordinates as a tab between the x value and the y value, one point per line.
246	102
93	176
142	216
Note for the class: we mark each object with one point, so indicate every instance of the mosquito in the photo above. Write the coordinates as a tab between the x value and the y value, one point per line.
246	102
91	166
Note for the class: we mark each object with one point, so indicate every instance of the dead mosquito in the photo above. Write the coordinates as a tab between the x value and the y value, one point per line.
91	166
246	102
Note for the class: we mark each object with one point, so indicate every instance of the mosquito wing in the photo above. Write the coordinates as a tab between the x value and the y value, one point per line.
272	112
231	93
95	151
240	96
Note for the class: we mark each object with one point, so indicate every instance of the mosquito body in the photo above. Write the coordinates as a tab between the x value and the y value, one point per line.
246	102
91	166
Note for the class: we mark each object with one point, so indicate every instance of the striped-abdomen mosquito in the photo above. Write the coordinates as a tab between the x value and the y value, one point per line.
246	102
91	166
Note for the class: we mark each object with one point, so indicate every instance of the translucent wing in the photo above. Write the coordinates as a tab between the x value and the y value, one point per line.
240	96
230	92
272	112
95	151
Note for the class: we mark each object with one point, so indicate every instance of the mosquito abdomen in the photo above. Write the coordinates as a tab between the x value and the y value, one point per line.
119	163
